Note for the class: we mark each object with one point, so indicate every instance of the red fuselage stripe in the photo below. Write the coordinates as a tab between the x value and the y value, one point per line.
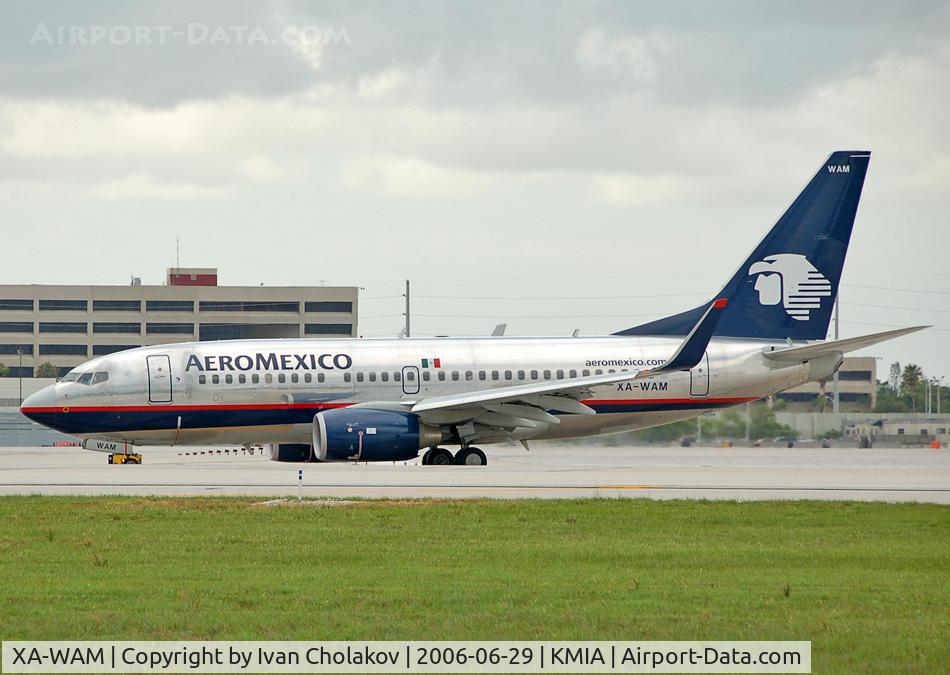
186	408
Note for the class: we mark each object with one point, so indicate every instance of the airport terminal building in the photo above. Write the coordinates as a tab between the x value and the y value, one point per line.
67	325
857	389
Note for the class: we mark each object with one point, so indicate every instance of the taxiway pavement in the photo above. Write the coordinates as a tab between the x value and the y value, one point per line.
549	470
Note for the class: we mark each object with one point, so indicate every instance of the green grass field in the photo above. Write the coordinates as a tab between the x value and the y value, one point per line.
869	584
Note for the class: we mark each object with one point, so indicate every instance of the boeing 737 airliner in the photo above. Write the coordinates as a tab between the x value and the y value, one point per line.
389	399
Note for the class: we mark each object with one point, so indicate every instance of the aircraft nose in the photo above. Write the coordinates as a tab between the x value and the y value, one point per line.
37	406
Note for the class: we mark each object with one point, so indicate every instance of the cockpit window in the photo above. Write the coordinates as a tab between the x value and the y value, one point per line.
71	376
100	377
85	378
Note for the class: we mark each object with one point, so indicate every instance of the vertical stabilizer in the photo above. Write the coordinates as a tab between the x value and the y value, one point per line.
787	287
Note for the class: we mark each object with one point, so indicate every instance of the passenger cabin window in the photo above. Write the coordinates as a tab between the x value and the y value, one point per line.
481	374
573	373
560	374
215	379
586	373
397	376
100	377
384	376
494	374
507	374
441	376
202	379
347	377
469	375
295	378
255	378
598	372
268	378
372	377
242	378
426	376
308	377
547	374
321	377
281	378
534	374
359	377
455	376
520	374
228	379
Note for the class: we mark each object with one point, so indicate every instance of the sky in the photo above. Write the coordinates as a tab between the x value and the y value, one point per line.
552	166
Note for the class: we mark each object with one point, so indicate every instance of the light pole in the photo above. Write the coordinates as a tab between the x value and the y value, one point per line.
835	401
19	372
939	387
938	383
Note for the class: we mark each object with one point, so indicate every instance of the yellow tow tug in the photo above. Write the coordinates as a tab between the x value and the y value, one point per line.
119	453
125	458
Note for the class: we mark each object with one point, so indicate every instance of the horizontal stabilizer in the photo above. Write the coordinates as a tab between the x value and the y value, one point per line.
808	352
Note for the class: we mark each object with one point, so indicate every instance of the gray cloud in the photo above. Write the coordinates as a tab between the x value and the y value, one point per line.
531	148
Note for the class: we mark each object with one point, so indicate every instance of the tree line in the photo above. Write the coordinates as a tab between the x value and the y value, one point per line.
905	390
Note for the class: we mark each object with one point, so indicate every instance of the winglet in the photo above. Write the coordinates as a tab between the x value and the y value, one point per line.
690	353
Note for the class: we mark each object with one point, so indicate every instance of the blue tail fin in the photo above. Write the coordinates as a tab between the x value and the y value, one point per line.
787	287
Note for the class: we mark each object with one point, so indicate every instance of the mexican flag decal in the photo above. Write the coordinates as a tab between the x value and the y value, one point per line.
431	363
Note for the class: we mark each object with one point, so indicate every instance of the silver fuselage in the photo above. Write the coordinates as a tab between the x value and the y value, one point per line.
267	391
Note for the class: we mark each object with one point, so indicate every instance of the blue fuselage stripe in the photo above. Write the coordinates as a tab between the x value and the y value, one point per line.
93	421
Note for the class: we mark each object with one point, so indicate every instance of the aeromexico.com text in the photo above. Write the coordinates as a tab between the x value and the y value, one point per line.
269	361
632	363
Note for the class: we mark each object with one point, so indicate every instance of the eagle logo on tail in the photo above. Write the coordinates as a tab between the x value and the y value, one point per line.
790	279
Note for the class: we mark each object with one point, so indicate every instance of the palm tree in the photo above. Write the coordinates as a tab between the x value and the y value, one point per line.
911	378
46	370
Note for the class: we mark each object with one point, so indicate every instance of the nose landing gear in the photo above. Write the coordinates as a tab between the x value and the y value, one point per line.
466	457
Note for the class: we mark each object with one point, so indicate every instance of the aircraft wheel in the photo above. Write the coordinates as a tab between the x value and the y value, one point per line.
471	457
437	457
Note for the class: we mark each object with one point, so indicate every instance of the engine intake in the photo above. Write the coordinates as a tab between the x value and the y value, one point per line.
367	435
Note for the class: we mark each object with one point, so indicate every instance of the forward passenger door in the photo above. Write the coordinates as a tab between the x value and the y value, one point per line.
159	378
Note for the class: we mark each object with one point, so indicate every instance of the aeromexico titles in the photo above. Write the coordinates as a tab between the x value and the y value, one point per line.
392	399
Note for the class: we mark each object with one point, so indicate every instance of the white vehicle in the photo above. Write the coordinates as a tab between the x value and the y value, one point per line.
388	399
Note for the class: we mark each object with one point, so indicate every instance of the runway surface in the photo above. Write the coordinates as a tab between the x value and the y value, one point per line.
547	471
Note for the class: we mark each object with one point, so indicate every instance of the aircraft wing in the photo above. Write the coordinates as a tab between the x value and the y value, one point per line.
807	352
564	395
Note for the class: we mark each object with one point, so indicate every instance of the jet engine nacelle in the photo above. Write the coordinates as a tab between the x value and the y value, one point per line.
368	435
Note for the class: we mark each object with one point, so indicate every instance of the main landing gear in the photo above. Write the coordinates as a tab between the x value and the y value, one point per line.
466	456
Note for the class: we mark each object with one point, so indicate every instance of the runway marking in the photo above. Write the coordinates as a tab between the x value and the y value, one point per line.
628	487
385	486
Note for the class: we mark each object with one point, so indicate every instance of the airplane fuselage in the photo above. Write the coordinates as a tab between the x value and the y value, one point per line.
268	391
